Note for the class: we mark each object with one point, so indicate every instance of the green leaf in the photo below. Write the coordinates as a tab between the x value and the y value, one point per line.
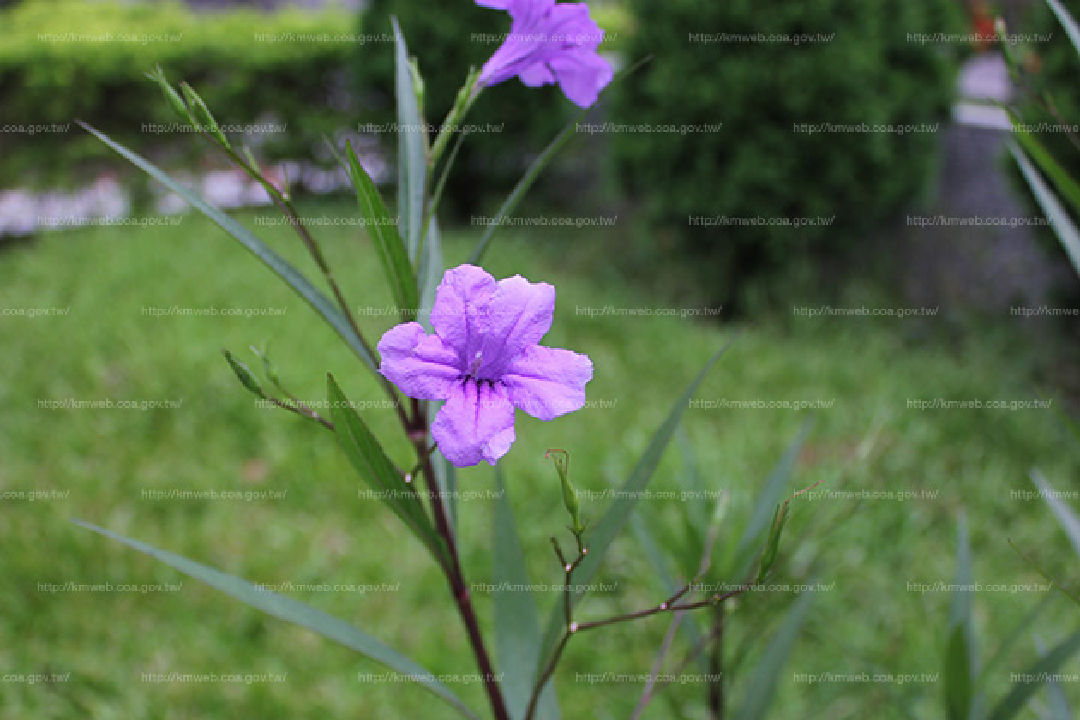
244	374
430	271
1058	702
1021	692
1067	22
1065	184
960	646
388	243
367	456
296	612
257	247
957	676
1065	516
517	621
1055	213
412	148
765	508
762	684
446	477
171	96
536	167
601	535
1010	638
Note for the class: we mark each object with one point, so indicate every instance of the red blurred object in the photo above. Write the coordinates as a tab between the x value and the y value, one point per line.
983	32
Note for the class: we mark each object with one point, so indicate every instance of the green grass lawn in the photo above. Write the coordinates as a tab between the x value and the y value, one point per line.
309	526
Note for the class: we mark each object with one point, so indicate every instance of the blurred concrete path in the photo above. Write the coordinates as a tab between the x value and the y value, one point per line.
979	248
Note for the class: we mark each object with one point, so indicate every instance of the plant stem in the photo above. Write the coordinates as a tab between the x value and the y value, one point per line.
459	589
716	668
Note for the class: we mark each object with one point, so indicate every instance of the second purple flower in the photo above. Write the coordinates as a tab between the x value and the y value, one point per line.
550	42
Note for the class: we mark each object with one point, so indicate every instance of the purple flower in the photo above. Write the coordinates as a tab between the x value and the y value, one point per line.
484	360
550	42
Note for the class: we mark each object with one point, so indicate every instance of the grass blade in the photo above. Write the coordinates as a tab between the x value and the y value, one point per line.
257	247
295	612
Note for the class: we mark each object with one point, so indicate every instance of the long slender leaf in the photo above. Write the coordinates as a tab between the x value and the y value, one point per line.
1055	213
257	247
536	167
762	684
412	148
960	647
367	456
1059	176
388	243
1067	22
599	539
1057	701
1063	512
296	612
517	621
1021	692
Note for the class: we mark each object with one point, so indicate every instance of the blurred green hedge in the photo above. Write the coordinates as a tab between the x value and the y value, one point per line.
868	70
516	121
67	59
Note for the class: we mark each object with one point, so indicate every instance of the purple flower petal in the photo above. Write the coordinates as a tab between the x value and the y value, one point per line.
536	75
476	423
519	314
460	305
421	365
582	75
548	382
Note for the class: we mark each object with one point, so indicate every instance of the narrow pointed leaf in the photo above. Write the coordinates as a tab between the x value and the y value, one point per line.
430	271
412	149
388	243
762	684
1067	22
600	537
1058	175
517	621
536	167
765	507
1049	663
1066	517
960	647
367	456
295	612
1055	212
257	247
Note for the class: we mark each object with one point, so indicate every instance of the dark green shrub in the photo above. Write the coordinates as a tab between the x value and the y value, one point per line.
869	70
448	38
69	59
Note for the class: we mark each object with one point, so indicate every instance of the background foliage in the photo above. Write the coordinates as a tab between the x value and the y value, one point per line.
757	166
65	59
